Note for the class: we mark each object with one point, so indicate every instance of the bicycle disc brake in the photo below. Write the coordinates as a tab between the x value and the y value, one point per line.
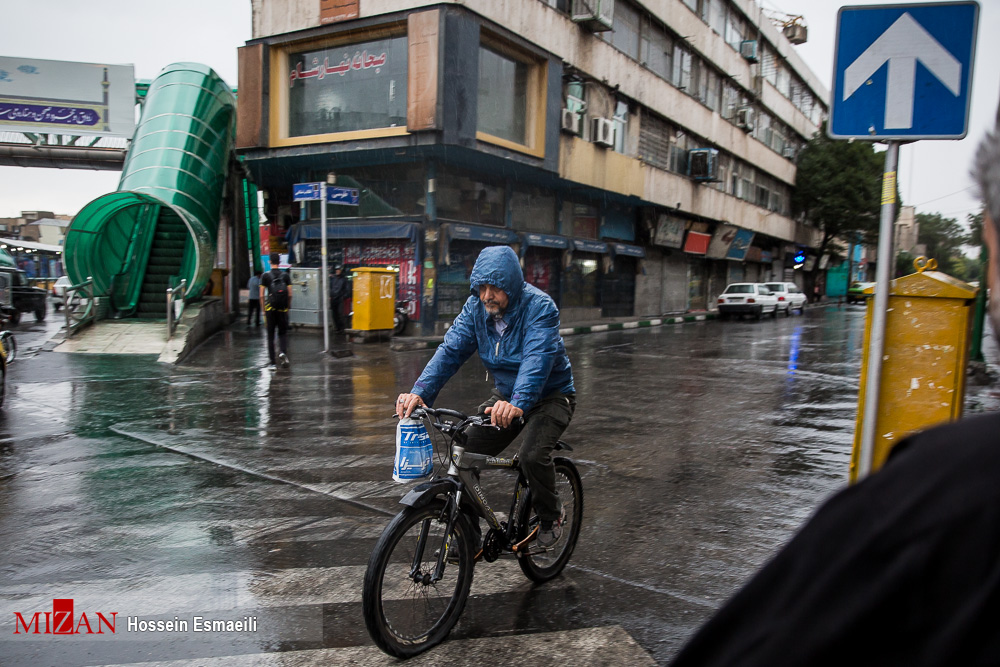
492	545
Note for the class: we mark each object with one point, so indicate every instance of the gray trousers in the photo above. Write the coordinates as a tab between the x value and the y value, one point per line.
543	425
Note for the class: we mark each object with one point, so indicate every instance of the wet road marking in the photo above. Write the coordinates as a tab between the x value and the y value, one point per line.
608	645
244	590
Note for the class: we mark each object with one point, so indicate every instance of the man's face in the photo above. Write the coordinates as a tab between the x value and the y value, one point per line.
993	272
494	299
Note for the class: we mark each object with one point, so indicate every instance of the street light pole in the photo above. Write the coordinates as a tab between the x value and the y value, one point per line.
324	275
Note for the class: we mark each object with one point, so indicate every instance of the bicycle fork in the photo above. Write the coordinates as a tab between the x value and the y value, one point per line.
426	578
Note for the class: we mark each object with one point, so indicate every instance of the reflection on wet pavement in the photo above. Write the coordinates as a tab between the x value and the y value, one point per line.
226	490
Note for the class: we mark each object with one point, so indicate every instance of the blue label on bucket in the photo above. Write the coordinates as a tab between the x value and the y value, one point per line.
414	451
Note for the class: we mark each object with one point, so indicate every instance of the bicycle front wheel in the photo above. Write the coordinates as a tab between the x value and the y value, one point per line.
405	613
540	564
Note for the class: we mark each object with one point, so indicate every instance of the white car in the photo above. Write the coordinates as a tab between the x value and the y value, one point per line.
747	299
790	297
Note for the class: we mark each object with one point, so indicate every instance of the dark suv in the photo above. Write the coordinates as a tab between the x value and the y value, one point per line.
26	299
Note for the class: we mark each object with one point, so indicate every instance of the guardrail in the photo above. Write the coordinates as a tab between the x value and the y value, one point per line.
175	306
79	306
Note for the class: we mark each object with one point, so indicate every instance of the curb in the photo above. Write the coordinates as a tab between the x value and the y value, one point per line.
404	345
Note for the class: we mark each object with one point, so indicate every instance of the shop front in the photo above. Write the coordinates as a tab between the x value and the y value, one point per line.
581	296
618	285
542	256
352	245
461	245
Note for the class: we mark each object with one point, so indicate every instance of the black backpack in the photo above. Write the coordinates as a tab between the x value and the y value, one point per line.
277	291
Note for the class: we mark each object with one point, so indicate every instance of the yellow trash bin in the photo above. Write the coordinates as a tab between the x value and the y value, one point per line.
924	359
374	299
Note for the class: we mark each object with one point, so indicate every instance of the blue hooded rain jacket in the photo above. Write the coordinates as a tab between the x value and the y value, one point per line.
528	361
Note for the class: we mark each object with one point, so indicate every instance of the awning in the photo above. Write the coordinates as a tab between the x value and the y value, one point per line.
628	250
11	244
546	241
590	246
310	229
462	232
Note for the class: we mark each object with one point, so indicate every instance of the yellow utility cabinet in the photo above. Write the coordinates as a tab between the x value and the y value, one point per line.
374	299
924	359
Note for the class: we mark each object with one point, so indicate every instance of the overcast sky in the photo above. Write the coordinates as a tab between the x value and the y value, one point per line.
933	175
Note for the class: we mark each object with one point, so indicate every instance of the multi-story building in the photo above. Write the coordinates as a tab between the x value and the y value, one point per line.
637	156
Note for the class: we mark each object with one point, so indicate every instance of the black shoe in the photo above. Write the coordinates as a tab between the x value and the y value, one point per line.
549	532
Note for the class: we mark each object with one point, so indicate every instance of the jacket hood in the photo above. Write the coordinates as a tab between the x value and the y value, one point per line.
498	266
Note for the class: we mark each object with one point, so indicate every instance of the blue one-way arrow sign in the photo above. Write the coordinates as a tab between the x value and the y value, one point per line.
904	71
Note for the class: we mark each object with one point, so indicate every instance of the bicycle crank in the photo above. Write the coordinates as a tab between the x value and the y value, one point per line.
492	546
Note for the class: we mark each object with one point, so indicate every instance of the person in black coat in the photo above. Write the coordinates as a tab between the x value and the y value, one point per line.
338	292
902	568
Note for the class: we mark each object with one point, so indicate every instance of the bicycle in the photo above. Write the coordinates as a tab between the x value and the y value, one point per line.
420	573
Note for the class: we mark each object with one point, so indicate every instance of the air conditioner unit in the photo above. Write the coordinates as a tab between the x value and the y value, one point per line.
796	33
788	152
703	165
744	118
572	122
748	49
602	132
594	15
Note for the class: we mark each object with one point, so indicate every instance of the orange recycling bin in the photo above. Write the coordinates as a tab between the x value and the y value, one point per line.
374	298
923	365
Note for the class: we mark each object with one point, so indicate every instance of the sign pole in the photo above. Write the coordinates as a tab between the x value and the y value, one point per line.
876	343
324	273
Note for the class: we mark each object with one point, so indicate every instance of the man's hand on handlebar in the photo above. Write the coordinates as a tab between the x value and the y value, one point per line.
407	403
504	414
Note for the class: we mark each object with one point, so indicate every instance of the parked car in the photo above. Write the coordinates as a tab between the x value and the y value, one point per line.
790	297
747	299
59	292
856	292
26	299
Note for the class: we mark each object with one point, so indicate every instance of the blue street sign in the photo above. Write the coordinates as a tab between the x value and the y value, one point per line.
305	191
904	71
342	196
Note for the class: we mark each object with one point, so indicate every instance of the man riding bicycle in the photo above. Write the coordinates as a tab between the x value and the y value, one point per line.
515	328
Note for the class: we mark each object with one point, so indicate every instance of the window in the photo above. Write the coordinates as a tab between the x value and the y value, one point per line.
533	210
347	88
575	97
710	93
621	125
625	36
717	16
511	97
735	30
657	49
503	96
465	196
682	68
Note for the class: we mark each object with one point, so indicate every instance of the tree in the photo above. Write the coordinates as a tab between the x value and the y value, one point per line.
838	188
943	237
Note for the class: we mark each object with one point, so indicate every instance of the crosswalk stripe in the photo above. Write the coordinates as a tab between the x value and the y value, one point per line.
608	645
239	590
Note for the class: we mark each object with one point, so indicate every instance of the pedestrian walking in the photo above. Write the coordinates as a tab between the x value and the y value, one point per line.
253	298
338	292
903	568
276	299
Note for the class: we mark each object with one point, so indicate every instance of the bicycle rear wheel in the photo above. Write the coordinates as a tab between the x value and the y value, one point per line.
540	564
405	613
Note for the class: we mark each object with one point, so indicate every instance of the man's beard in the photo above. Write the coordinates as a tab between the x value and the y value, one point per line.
493	308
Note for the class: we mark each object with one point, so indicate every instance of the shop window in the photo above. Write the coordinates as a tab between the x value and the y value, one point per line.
581	281
533	210
511	98
582	220
468	198
346	88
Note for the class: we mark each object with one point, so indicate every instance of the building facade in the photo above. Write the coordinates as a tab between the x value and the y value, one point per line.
637	158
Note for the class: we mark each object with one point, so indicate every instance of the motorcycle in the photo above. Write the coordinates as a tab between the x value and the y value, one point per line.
400	318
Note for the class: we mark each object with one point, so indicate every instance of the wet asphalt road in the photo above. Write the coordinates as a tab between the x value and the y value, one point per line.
224	490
